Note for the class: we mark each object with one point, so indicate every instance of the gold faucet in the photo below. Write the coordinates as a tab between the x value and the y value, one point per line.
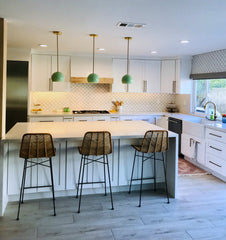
215	109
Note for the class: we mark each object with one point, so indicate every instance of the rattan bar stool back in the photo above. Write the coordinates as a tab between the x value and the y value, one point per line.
95	149
36	149
154	141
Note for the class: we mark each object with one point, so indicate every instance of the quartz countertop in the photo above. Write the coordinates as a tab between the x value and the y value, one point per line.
65	114
76	130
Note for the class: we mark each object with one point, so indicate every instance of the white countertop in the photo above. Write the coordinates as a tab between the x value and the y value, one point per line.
66	114
76	130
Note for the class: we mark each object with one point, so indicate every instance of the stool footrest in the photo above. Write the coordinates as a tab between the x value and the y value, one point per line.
136	179
90	183
38	186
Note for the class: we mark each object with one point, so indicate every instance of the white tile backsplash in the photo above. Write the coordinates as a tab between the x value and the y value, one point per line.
98	96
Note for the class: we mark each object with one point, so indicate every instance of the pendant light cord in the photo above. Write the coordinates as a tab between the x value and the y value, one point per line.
128	57
57	55
93	51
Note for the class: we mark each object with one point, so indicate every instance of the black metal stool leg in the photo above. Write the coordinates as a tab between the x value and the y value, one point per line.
154	173
141	182
80	196
51	172
79	175
109	179
165	177
105	187
132	171
22	187
25	173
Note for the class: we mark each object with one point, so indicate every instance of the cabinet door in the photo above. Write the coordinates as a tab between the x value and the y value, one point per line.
136	71
40	72
119	70
168	76
64	66
151	74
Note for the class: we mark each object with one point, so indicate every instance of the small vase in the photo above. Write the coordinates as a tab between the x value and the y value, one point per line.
120	109
223	119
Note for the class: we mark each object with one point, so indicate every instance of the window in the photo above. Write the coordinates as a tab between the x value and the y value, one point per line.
210	90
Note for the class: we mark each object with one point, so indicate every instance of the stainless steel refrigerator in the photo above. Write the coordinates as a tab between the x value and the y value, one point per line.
16	93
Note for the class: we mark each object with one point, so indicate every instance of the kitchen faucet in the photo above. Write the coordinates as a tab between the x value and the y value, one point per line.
215	109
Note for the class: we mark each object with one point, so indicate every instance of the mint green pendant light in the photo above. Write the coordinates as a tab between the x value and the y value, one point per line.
127	79
93	77
57	76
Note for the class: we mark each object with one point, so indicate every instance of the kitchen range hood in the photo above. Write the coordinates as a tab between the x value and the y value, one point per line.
84	80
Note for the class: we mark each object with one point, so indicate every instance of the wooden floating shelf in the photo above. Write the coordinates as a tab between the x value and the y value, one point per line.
84	80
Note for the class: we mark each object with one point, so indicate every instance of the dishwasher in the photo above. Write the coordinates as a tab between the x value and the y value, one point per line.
175	125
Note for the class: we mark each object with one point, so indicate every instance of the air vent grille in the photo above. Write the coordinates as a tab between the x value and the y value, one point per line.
130	24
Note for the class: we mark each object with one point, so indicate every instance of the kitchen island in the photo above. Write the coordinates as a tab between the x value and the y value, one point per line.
67	137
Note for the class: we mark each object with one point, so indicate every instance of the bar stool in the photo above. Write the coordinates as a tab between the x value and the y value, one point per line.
154	141
36	145
98	145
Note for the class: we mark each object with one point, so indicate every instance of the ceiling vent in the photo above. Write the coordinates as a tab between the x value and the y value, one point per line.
131	25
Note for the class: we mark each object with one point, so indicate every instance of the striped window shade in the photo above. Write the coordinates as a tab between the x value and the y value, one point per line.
210	65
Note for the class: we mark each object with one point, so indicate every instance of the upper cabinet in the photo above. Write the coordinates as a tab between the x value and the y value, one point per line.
169	75
83	66
43	66
40	72
145	74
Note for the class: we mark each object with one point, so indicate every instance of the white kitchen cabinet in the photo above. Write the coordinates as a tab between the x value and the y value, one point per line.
64	66
40	72
136	70
45	119
193	142
151	74
68	119
193	148
42	68
119	70
82	119
82	66
168	76
215	152
145	74
101	118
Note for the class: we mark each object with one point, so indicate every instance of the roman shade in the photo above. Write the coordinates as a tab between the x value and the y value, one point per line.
210	65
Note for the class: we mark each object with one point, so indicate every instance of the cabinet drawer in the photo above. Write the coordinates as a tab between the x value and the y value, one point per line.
82	119
216	164
215	135
216	148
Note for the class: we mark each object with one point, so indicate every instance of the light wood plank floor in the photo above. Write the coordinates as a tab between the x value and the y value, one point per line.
199	212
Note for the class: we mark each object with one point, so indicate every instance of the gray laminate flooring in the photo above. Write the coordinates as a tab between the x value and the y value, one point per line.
199	212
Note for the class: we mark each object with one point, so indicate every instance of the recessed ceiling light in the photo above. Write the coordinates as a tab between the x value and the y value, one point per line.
153	52
43	45
184	41
101	49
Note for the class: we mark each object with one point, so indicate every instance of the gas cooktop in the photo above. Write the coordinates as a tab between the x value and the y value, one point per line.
90	112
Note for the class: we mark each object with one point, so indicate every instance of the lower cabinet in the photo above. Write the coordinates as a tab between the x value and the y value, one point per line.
193	148
46	119
216	152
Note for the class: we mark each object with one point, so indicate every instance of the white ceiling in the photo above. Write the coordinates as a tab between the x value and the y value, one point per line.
202	22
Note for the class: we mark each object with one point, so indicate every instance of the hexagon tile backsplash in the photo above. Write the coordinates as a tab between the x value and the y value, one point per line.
98	96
